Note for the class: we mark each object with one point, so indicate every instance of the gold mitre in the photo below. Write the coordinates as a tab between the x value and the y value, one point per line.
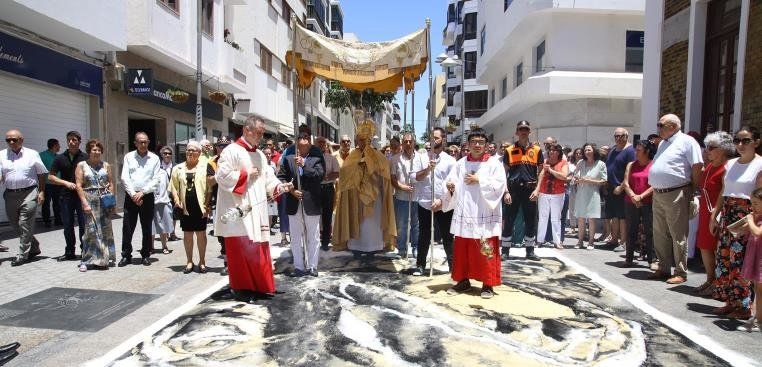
366	129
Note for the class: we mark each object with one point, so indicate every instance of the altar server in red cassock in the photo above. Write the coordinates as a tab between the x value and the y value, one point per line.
244	179
474	190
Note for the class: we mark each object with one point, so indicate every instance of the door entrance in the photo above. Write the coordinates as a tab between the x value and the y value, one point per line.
720	64
147	126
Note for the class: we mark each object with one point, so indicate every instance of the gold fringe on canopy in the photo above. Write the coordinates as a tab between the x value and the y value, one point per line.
379	66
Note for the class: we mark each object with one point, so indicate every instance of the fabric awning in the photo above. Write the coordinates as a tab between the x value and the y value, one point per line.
360	65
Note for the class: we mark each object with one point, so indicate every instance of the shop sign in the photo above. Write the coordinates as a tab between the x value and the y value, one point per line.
139	82
31	60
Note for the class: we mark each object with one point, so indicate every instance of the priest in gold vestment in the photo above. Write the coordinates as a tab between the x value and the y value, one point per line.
364	222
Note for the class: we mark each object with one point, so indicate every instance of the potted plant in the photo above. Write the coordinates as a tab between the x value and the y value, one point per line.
178	95
217	96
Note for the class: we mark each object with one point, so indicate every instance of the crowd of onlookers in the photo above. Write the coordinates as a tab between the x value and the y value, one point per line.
660	198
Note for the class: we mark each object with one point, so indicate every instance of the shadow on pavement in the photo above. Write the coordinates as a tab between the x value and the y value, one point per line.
638	274
700	308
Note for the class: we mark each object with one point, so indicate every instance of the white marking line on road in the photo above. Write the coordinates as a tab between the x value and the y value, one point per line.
687	330
136	339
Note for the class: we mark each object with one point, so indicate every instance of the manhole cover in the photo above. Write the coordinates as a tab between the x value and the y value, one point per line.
71	309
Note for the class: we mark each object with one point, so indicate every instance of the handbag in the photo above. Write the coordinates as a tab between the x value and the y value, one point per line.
108	200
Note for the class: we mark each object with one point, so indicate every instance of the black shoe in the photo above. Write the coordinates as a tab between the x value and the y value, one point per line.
313	273
145	261
125	261
532	256
64	257
5	357
298	273
57	224
9	347
48	225
111	263
325	247
33	254
18	261
188	269
172	237
224	271
505	253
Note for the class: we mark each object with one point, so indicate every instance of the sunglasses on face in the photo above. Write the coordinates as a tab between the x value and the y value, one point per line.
166	153
660	125
618	136
12	140
743	141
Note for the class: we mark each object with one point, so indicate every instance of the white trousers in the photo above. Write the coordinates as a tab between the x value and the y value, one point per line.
311	239
550	206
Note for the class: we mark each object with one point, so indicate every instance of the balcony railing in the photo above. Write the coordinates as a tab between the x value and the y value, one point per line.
475	113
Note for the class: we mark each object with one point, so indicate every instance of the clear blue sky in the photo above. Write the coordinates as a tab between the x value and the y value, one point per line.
390	19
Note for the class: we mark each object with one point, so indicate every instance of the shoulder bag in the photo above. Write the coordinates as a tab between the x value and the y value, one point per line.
108	200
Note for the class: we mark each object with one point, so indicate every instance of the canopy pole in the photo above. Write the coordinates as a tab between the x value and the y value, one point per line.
429	126
294	77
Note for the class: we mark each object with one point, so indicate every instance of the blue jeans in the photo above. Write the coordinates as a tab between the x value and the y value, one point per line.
400	213
70	206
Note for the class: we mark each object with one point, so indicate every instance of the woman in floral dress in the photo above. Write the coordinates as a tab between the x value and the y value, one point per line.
94	178
742	176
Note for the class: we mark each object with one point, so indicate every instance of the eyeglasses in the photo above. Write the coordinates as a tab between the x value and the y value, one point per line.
478	142
618	136
166	153
523	129
744	141
346	141
660	125
12	140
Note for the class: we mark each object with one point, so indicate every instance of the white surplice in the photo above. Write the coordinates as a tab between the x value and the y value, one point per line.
478	210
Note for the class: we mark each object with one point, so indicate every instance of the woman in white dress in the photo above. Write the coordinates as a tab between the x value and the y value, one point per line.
589	176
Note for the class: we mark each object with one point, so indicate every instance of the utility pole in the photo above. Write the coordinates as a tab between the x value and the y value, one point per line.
199	74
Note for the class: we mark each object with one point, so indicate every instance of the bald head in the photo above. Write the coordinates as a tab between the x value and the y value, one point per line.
668	125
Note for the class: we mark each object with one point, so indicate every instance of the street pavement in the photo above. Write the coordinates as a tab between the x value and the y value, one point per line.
158	292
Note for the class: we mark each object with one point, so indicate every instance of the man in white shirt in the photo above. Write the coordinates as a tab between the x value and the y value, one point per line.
675	171
328	190
404	185
440	163
140	177
23	174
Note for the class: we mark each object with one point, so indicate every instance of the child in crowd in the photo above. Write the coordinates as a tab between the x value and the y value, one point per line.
752	266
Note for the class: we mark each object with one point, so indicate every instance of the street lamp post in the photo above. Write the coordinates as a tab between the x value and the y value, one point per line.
452	62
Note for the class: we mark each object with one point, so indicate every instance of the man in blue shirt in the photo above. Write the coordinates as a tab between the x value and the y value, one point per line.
616	163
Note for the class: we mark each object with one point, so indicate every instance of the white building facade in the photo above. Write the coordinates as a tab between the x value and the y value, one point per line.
51	68
571	68
262	28
460	37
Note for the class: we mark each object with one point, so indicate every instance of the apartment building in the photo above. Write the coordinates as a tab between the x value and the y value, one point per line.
571	68
466	97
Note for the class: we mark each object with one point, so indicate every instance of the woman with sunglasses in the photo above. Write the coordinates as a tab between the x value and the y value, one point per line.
719	147
742	176
163	222
550	194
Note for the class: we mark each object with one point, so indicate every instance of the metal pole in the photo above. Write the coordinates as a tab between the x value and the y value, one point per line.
430	125
199	74
462	100
296	129
408	244
294	77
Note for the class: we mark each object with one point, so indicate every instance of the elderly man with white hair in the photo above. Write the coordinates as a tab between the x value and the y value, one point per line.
675	172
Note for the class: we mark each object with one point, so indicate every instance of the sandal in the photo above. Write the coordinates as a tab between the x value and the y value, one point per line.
581	245
165	251
703	286
202	268
724	310
740	314
188	269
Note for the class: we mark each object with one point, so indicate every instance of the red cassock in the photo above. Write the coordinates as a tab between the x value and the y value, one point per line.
469	263
249	265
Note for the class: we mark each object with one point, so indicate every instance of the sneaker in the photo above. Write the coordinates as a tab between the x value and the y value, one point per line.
418	271
487	292
750	326
462	286
590	247
83	268
619	248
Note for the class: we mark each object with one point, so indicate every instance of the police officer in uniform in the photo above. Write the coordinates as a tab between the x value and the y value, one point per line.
523	161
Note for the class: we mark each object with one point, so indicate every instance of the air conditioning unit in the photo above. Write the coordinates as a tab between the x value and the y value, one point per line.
115	77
